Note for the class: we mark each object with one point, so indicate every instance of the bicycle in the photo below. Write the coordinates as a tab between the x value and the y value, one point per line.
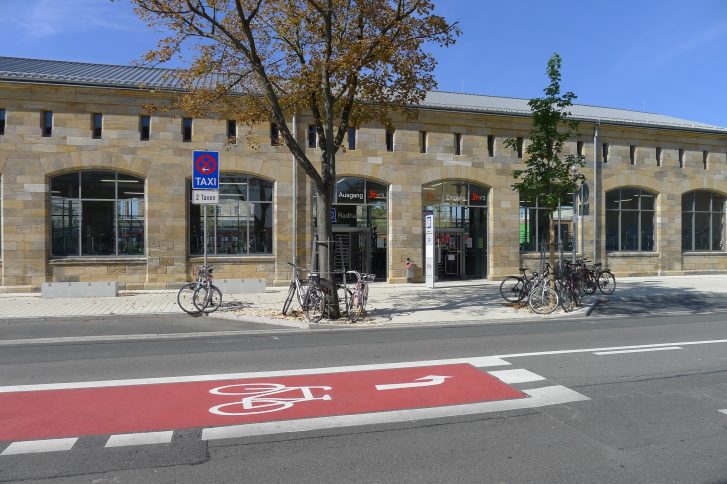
359	295
543	298
569	287
207	298
513	289
185	296
605	279
314	300
297	289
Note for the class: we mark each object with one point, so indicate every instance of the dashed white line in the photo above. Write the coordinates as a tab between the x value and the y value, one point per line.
478	361
723	411
145	438
641	350
516	376
37	446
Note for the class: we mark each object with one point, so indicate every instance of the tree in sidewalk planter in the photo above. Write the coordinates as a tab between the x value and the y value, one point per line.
547	175
345	62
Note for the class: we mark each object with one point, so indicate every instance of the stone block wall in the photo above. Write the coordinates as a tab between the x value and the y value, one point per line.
28	161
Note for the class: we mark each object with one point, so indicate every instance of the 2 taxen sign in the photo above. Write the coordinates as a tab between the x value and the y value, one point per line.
205	170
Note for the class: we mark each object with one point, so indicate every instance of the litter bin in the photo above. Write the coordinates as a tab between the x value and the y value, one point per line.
409	270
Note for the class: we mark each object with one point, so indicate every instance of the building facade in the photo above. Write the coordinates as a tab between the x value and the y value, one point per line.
94	188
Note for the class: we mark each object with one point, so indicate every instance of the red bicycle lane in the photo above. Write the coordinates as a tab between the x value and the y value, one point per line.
48	414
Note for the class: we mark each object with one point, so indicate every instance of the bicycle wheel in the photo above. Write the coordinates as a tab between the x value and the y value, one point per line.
568	299
589	283
185	298
606	282
356	309
511	289
315	305
289	299
543	299
207	304
344	299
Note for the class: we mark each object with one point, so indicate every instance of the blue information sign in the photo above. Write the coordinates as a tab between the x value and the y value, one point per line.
205	170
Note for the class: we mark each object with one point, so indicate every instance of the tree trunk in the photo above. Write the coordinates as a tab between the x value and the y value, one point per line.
325	246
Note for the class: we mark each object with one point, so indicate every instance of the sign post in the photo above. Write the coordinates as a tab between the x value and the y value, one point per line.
429	249
205	185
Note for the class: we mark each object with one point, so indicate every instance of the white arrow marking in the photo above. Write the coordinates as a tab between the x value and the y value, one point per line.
424	381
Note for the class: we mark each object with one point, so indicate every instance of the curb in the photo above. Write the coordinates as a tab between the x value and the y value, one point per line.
256	319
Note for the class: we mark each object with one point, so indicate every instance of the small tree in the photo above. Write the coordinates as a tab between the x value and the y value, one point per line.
344	62
547	175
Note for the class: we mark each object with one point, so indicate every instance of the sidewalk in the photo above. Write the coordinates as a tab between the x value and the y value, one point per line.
389	305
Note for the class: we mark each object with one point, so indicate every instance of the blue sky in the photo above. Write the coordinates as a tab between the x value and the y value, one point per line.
667	56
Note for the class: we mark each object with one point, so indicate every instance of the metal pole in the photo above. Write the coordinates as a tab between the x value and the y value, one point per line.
595	192
575	224
204	221
295	196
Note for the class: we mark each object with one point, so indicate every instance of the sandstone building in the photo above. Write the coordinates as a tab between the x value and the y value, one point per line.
96	189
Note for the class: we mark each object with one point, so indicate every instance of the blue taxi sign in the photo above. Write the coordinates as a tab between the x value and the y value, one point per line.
205	170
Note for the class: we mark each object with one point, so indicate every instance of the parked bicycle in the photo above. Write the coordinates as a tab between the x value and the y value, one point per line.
543	297
516	288
359	295
201	295
298	289
605	279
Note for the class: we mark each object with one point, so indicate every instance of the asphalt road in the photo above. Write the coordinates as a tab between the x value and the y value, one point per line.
648	416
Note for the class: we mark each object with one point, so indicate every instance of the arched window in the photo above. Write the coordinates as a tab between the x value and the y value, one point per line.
702	221
241	224
97	213
535	224
630	220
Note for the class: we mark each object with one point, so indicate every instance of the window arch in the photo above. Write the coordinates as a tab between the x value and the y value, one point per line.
535	224
95	213
630	219
242	222
703	221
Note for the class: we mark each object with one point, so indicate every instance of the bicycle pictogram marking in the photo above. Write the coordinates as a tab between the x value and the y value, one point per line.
265	397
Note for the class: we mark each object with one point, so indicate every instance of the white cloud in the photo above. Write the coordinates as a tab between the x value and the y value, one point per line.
38	19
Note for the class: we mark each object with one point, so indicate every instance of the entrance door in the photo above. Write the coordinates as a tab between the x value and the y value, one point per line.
450	256
353	249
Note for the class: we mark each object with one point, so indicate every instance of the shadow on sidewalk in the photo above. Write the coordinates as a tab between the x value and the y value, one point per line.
467	301
654	297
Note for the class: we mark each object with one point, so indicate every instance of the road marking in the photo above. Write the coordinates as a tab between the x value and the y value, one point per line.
144	438
139	337
551	395
479	362
516	376
723	411
36	446
136	409
610	348
641	350
424	381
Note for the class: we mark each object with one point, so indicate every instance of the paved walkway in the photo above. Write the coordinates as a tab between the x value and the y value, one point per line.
389	305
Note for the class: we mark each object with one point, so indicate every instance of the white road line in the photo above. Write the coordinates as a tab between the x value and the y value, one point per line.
477	361
642	350
132	337
516	376
723	411
37	446
481	361
551	395
145	438
610	348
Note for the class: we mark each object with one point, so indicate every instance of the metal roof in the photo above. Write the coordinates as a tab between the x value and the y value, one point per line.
134	77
